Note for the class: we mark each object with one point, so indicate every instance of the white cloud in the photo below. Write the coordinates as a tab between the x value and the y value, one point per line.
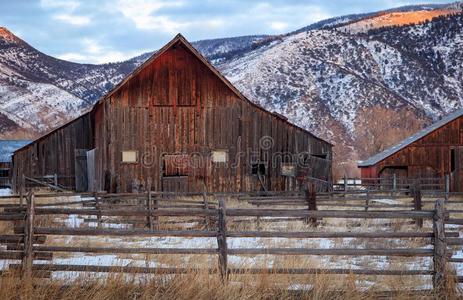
93	52
278	26
76	20
144	14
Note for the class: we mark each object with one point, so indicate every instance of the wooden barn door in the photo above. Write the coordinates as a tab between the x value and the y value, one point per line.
80	164
175	169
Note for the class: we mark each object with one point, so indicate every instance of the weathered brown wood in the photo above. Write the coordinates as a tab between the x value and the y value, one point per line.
97	209
453	241
149	206
19	255
301	271
311	202
330	214
112	269
347	252
11	217
440	248
222	240
120	232
454	221
28	237
119	250
307	235
19	238
417	202
367	200
125	212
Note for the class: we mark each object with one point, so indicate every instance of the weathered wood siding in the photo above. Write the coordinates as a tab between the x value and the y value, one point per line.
177	104
54	153
429	157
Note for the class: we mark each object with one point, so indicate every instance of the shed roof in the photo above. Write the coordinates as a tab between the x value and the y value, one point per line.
417	136
7	147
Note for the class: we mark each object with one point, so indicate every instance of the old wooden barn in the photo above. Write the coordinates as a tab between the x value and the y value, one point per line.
434	152
178	123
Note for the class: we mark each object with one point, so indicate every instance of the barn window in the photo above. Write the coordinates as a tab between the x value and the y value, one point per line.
219	156
453	162
175	165
258	168
288	169
130	156
4	172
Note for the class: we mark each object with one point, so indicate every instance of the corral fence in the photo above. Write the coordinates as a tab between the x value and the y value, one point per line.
393	183
28	243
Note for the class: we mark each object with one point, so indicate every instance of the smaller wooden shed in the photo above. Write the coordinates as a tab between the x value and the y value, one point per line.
431	153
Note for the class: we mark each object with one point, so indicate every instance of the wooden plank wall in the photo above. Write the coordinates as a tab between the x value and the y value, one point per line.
177	105
430	156
54	153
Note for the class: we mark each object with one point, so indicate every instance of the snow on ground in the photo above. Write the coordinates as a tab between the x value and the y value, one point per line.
5	192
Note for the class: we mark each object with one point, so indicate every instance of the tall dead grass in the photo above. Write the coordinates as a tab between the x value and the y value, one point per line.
202	286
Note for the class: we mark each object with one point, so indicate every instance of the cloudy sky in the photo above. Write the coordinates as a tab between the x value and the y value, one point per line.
96	31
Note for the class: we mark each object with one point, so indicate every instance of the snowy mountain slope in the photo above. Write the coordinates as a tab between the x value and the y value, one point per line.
321	79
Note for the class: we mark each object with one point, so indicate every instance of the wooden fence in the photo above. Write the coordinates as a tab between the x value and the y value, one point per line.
27	242
393	183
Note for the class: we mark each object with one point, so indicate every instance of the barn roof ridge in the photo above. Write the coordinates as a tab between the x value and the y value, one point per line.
181	38
411	139
178	38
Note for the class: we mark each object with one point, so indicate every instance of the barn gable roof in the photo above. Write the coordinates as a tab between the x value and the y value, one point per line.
411	139
178	38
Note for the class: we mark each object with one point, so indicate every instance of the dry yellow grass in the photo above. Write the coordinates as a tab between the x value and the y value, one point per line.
200	286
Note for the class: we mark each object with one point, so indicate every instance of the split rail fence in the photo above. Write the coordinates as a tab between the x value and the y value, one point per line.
28	243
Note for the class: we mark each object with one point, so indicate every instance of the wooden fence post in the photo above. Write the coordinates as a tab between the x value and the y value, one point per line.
447	187
311	197
417	202
149	205
440	248
207	219
345	184
222	240
98	208
394	184
28	238
367	200
55	179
